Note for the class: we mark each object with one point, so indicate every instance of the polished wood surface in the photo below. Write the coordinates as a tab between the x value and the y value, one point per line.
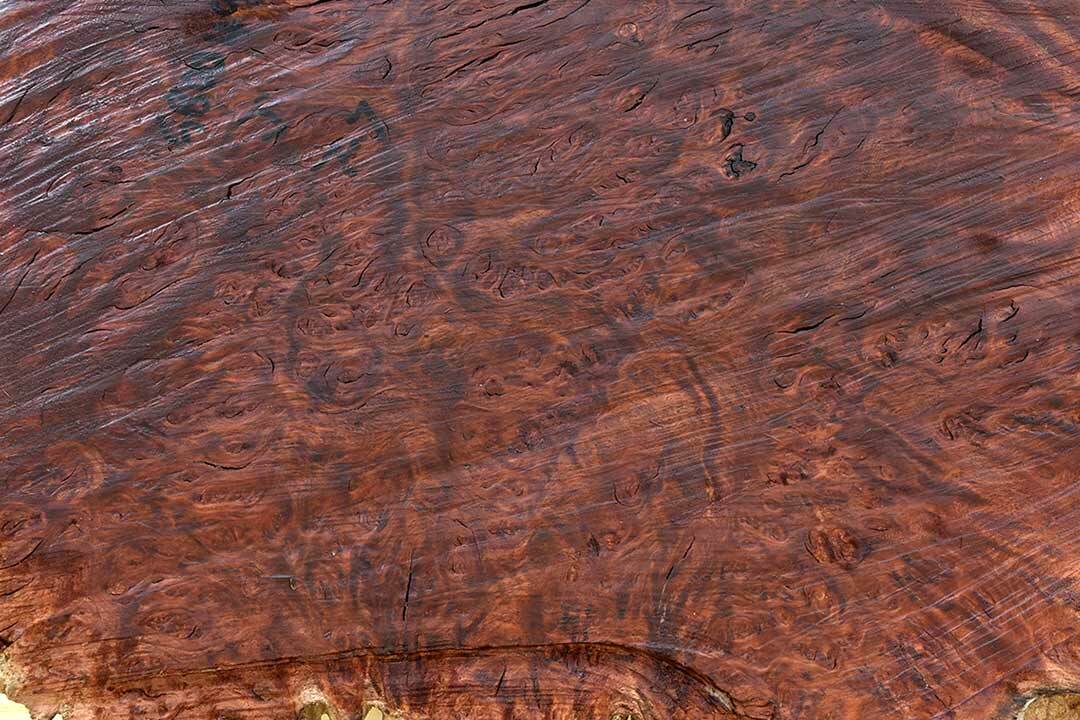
553	358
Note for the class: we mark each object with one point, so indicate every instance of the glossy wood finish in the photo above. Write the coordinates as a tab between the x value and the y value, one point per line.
565	358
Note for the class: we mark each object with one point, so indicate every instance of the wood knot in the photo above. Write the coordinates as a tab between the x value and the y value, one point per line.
835	545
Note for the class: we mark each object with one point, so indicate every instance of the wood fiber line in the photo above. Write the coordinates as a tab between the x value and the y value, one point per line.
492	359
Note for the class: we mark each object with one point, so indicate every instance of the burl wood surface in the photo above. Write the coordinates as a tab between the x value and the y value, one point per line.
558	358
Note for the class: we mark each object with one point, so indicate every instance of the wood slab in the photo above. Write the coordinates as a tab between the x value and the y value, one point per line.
490	359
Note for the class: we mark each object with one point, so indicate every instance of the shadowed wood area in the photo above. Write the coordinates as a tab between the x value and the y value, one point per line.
593	359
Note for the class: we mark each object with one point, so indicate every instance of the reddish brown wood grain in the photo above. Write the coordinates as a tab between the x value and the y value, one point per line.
567	358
